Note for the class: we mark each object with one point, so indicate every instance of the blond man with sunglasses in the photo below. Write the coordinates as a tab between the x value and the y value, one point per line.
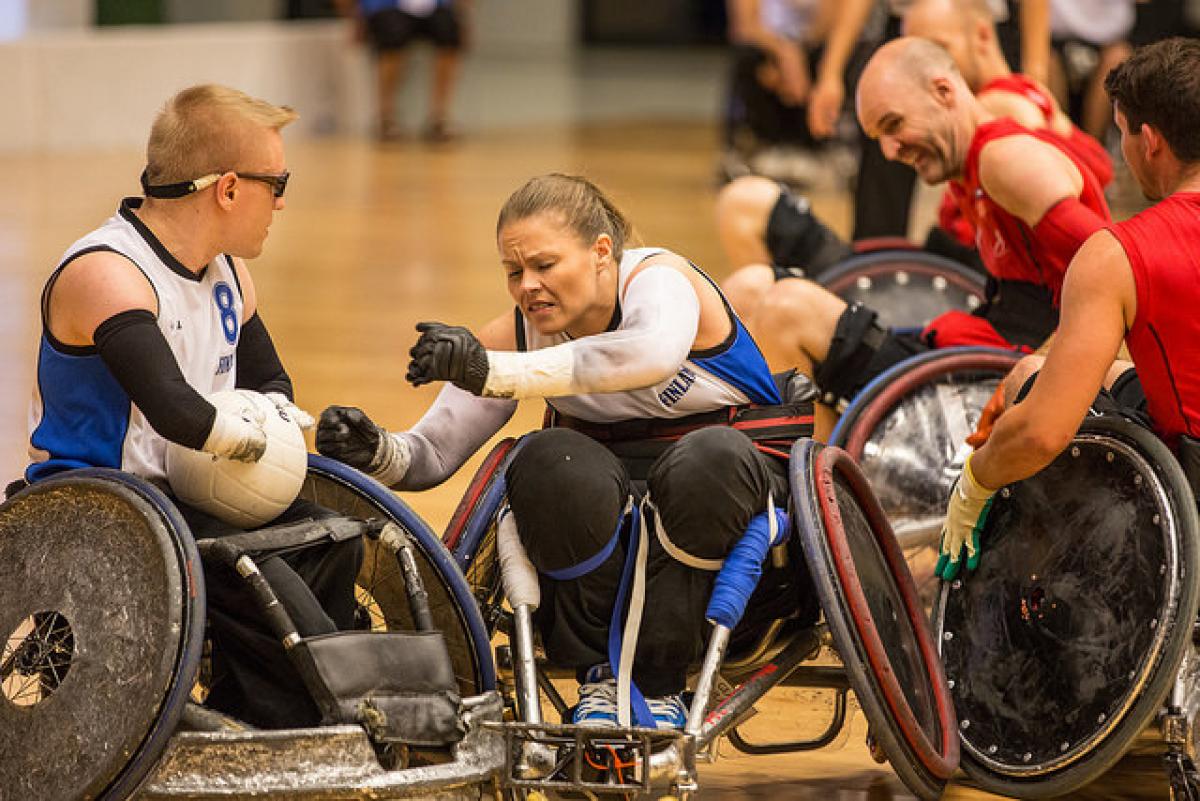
151	312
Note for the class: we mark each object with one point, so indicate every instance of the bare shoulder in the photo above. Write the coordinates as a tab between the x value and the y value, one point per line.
93	288
1026	175
1006	103
500	333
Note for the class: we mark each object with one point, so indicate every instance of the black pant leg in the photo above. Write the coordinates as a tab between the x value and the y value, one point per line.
567	493
706	488
883	194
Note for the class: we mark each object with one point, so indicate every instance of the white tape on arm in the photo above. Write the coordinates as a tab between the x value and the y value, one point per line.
520	576
660	317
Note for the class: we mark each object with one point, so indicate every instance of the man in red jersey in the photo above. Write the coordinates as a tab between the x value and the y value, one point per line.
1033	204
767	232
1134	281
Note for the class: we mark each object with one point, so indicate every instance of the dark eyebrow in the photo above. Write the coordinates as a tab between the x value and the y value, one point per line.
531	256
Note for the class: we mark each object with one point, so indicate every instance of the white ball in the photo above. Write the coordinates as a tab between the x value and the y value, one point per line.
242	494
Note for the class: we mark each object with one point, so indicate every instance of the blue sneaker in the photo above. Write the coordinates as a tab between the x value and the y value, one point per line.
597	699
668	711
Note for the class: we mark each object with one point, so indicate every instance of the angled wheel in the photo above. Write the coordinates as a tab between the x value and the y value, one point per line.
1063	644
875	617
906	429
471	533
380	582
908	288
102	614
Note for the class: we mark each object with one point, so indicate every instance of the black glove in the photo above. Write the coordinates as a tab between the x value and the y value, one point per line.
346	433
448	353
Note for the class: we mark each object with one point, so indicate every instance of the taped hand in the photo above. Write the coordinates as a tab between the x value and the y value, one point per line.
290	410
448	353
240	437
966	515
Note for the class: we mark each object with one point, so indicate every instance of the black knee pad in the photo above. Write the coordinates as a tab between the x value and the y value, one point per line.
797	239
568	493
860	350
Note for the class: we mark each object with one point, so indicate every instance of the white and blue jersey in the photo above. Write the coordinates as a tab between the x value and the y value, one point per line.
733	373
80	416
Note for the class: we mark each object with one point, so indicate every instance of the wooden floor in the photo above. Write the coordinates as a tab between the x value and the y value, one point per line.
375	239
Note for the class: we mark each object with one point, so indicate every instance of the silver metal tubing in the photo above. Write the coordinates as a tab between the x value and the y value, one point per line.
708	677
529	703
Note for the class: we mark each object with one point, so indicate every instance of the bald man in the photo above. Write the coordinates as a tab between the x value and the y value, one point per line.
761	223
1033	203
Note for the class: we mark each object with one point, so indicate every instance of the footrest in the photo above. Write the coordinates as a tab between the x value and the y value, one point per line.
612	759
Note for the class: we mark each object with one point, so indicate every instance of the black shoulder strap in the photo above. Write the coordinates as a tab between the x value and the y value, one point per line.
519	322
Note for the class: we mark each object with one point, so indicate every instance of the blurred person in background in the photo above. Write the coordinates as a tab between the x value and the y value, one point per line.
775	44
389	27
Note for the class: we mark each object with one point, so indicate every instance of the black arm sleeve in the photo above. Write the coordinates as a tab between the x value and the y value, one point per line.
136	353
258	365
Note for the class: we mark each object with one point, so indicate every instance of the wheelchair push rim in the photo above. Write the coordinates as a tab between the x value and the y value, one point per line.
107	561
1077	667
454	609
938	284
875	617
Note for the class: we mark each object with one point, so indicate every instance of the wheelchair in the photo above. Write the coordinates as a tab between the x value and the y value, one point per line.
871	616
906	286
102	606
1076	633
906	429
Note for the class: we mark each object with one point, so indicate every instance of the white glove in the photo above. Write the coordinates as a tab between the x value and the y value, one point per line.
291	411
966	514
239	437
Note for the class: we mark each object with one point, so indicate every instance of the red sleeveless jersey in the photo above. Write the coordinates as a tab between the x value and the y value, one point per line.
1163	247
1084	147
1008	247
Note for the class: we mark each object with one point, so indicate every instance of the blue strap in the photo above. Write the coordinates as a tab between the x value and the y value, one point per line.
639	710
591	563
742	569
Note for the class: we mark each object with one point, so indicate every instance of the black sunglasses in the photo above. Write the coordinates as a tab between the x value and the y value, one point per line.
278	184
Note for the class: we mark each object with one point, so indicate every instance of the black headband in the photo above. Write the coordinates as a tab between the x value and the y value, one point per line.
177	190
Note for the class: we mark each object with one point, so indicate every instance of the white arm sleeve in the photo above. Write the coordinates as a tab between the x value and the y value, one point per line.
454	427
661	315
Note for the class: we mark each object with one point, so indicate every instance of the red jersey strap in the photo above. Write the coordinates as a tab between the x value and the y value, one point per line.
1018	84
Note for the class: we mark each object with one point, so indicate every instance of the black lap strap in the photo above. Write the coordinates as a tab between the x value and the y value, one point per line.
290	537
773	429
1022	312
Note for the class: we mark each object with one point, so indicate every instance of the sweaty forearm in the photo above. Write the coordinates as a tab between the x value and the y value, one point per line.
138	356
455	427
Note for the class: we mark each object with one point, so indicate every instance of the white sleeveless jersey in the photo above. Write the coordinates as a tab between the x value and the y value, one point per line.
732	374
80	416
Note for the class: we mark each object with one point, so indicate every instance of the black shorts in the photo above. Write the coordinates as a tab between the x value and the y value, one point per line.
393	29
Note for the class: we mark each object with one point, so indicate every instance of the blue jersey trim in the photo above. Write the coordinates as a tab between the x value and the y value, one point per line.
742	365
85	414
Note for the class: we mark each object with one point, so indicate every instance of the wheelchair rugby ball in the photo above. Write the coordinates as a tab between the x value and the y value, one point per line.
242	494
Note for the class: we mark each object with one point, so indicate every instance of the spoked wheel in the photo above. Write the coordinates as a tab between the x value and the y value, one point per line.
102	615
906	429
875	617
380	582
908	288
1063	644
